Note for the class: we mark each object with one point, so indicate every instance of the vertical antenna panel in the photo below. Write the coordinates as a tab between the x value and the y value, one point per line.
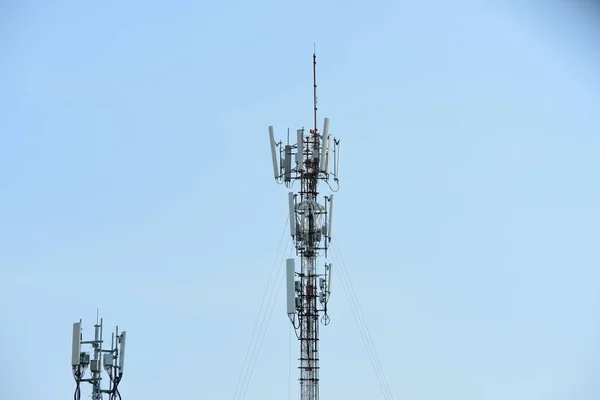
330	227
290	267
326	169
292	214
122	352
337	162
300	153
76	344
273	153
287	164
324	145
329	279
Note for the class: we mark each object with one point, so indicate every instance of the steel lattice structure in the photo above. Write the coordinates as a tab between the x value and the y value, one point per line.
310	228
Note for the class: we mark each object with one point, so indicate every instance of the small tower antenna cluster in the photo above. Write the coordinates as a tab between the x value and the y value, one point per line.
309	161
98	359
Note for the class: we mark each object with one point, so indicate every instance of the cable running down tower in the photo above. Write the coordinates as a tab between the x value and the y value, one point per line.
308	291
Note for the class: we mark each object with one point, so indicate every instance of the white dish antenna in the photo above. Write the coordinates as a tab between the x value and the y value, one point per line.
273	152
290	269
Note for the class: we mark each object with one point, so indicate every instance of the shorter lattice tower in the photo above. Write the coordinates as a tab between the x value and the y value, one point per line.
111	360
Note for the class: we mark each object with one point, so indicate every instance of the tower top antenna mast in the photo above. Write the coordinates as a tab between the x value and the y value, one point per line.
315	84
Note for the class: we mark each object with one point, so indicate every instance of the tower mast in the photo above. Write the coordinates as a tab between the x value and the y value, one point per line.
308	291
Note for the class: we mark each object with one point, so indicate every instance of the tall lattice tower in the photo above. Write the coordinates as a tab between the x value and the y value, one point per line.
308	291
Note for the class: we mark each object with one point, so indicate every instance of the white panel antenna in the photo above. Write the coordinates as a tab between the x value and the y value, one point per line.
290	267
292	214
330	225
273	153
287	164
337	163
329	280
326	169
300	153
122	352
76	353
324	145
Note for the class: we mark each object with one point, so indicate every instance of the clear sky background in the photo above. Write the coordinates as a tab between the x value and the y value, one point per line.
135	176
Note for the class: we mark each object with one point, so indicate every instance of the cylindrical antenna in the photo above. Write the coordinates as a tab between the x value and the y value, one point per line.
324	145
292	214
330	227
273	153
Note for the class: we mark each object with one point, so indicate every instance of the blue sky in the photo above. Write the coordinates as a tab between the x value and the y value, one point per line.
135	177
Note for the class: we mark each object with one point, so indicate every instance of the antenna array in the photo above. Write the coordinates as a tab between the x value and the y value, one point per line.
308	292
112	360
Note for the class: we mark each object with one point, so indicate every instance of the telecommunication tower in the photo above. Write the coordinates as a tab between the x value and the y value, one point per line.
308	291
112	360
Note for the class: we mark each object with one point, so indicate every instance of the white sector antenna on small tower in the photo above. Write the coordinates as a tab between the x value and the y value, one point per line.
122	352
76	352
290	270
273	152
